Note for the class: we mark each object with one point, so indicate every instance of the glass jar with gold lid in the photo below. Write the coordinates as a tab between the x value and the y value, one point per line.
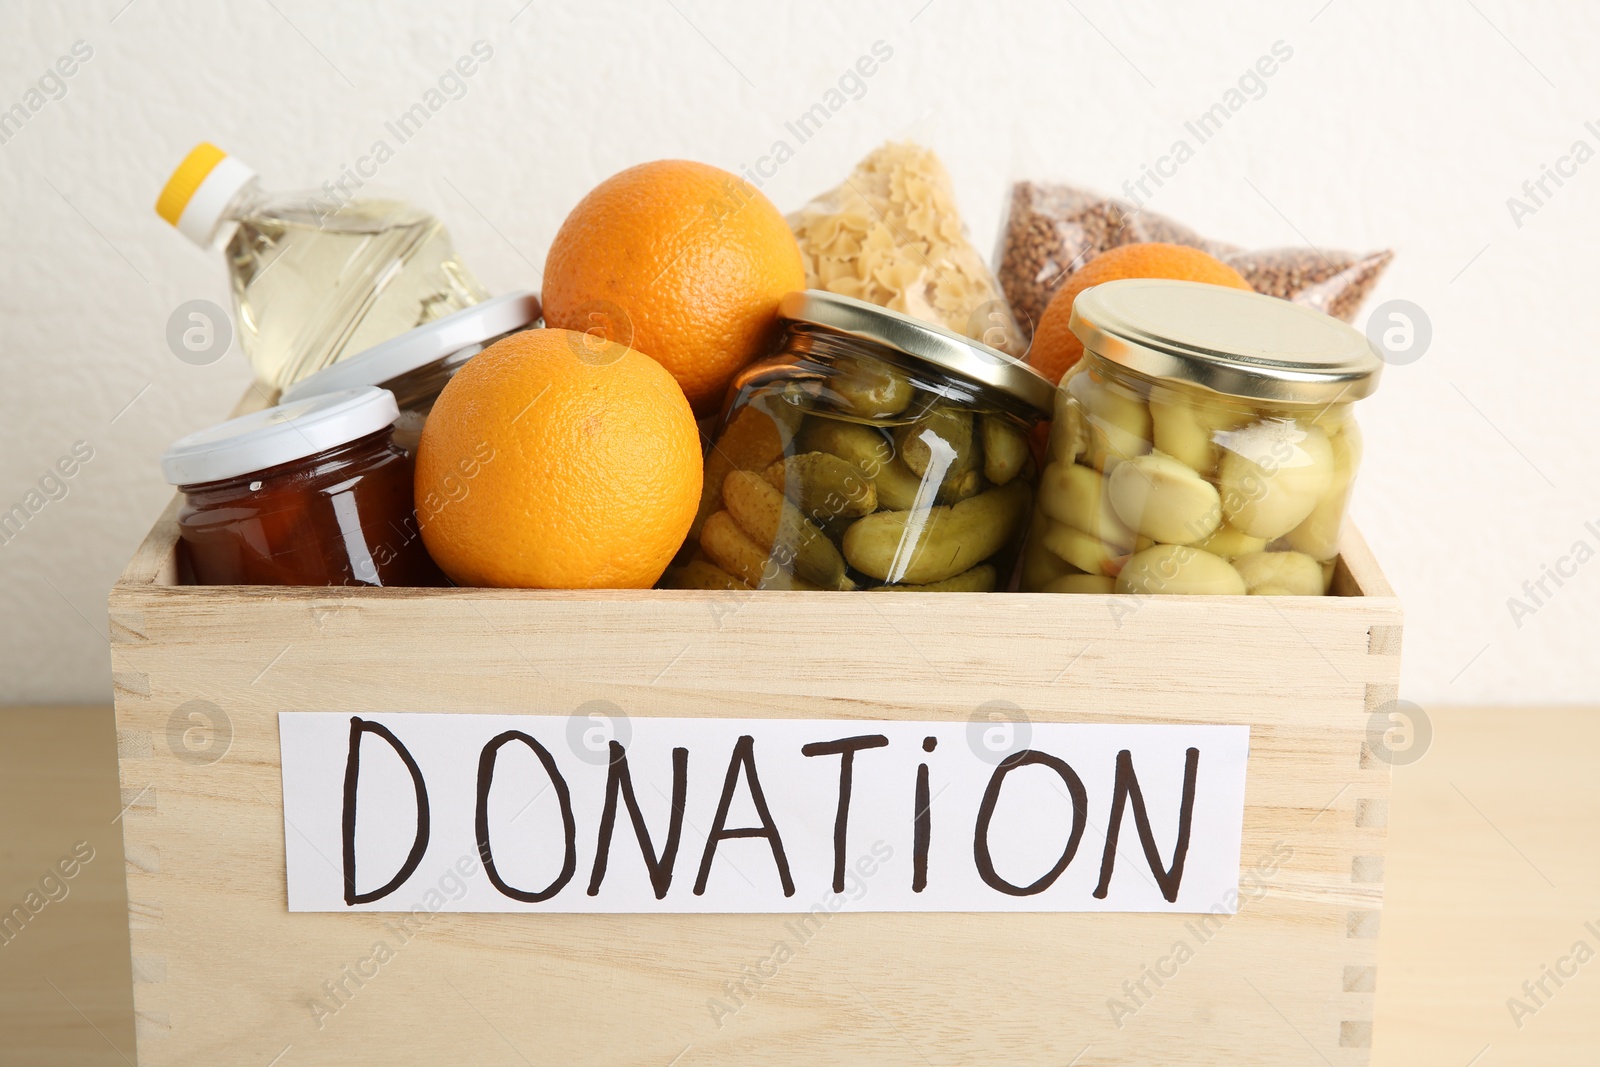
871	450
1205	443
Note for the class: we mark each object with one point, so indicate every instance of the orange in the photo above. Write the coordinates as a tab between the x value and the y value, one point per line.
552	462
1056	348
681	261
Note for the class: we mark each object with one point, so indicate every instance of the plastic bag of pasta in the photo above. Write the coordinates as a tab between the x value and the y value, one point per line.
890	234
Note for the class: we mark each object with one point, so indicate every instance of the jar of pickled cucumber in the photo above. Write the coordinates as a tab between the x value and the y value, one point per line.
871	451
1203	444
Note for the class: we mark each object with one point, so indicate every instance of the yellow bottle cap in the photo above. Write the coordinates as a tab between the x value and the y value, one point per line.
199	191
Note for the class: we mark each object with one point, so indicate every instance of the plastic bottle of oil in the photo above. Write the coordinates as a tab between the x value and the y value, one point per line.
316	275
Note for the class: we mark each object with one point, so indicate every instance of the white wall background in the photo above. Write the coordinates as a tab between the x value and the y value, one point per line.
1395	124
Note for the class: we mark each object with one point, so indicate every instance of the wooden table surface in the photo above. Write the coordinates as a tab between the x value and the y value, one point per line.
1493	874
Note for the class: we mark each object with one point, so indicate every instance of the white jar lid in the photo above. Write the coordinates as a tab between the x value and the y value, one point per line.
283	434
422	345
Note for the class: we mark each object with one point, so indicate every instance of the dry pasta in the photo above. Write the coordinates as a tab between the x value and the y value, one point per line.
890	234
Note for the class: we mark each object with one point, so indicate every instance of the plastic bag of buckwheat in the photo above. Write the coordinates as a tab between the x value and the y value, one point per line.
1051	230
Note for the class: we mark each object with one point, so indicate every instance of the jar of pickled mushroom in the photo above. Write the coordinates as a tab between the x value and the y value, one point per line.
871	451
1203	444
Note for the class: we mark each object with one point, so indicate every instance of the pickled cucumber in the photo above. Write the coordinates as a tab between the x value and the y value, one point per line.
869	388
852	442
700	573
772	522
756	434
960	489
923	547
979	579
786	580
1005	449
896	486
731	549
940	445
823	486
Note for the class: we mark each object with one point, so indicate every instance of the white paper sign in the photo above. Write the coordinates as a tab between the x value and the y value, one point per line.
528	813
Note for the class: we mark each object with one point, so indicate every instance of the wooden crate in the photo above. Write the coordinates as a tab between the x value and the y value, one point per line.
224	973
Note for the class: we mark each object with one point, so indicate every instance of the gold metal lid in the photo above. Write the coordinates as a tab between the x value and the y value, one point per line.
1227	340
950	352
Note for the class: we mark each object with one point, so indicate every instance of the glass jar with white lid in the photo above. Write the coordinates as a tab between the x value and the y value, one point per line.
416	365
312	492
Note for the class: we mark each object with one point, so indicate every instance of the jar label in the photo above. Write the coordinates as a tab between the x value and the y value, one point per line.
598	812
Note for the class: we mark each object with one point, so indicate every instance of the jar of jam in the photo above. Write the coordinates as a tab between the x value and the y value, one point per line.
313	492
1205	443
415	365
871	451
